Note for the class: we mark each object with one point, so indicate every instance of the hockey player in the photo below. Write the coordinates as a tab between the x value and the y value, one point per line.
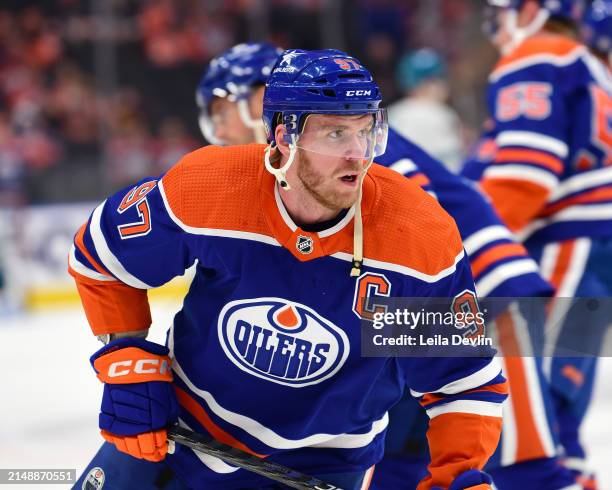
550	179
265	354
501	268
230	94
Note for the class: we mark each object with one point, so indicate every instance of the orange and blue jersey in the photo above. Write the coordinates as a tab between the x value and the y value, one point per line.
551	176
266	348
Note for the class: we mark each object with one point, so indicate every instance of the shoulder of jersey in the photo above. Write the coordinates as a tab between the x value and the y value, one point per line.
551	49
408	227
216	187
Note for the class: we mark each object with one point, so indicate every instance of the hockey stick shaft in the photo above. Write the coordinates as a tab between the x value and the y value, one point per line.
236	457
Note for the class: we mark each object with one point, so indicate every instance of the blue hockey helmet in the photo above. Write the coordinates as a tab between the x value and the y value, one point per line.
597	26
328	82
232	75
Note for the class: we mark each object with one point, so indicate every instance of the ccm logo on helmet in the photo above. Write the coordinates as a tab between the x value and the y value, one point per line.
352	93
141	366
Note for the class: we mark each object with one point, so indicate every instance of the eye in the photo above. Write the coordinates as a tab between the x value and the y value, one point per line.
363	133
336	134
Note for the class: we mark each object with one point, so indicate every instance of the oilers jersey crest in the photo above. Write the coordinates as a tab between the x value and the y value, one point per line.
266	349
272	338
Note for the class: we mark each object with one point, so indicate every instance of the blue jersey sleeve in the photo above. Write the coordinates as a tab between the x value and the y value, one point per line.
131	237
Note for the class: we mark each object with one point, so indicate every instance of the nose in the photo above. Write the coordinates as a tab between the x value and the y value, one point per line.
356	148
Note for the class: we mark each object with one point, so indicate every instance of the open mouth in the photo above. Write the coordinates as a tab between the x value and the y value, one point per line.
349	178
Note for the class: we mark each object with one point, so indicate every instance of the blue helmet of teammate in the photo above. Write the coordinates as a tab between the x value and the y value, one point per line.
232	75
549	9
328	82
597	26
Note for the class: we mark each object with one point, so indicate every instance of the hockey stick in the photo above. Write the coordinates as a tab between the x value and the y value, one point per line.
236	457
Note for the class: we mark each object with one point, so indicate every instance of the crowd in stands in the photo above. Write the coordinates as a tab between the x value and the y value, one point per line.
97	94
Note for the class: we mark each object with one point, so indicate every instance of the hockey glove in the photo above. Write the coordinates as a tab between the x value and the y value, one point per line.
138	402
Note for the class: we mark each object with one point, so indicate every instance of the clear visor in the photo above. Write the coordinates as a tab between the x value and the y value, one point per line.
362	136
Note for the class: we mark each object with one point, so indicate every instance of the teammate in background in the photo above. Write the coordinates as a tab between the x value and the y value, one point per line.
230	94
501	268
527	454
423	114
551	179
287	238
596	29
596	32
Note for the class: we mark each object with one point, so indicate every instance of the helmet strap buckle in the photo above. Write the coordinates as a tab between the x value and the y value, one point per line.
280	173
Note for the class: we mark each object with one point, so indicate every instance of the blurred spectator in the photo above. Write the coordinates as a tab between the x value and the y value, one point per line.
38	149
71	105
173	36
423	115
42	45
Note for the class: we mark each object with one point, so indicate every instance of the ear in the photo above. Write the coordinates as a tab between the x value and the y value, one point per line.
279	135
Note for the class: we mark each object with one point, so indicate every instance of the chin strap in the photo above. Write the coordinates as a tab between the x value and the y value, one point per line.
280	173
358	227
519	34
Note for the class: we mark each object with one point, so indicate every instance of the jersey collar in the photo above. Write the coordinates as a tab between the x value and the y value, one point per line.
302	244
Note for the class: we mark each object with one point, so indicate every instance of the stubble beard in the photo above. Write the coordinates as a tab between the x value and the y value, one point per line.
314	184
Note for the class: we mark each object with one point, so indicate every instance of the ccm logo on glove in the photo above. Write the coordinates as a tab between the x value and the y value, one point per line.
132	365
121	368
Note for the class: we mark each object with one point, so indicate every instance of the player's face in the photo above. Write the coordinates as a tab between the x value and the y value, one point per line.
228	125
331	178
